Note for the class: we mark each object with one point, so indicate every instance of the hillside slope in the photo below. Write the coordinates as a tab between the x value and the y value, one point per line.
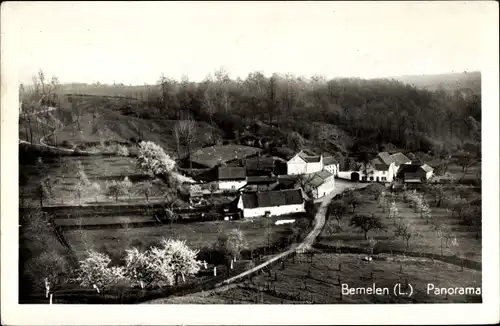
97	124
448	82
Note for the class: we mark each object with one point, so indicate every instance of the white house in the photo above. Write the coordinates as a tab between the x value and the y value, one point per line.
381	169
271	203
384	167
330	164
322	183
304	163
231	177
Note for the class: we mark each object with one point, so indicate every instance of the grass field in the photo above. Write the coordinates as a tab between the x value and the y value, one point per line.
197	235
318	282
63	173
212	156
427	241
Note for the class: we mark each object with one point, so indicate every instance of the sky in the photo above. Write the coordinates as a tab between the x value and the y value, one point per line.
134	42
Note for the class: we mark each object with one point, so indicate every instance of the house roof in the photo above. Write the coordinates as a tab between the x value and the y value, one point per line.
427	168
261	180
326	154
308	152
410	168
329	161
318	178
309	158
259	187
400	158
259	163
272	198
385	158
287	182
381	167
323	174
413	168
231	173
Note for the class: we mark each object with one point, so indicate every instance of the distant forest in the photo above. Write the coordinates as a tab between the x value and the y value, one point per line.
346	115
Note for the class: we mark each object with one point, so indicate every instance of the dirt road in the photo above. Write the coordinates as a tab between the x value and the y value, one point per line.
319	222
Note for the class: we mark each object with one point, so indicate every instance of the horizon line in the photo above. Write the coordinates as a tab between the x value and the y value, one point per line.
266	75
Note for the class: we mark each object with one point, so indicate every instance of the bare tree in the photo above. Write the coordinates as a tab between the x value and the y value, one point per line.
406	230
352	198
366	223
338	209
145	188
185	131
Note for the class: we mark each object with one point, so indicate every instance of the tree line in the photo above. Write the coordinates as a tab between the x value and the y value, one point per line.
370	111
376	111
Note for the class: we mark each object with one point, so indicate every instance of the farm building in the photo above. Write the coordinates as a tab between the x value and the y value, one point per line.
330	164
322	183
384	167
271	203
415	172
304	163
231	177
210	157
400	159
380	169
260	166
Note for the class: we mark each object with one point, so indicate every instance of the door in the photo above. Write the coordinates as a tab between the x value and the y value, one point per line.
355	176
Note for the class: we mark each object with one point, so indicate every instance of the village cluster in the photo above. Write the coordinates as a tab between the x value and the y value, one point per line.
274	186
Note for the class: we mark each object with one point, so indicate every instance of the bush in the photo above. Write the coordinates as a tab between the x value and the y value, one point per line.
122	150
153	160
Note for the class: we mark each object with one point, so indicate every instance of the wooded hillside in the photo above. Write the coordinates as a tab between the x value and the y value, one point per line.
346	115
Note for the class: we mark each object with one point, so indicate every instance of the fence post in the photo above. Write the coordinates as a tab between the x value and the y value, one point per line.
215	270
50	299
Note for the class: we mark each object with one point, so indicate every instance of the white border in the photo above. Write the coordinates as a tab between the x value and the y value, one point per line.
14	314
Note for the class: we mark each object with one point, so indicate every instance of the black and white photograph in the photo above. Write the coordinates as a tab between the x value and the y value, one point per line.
254	155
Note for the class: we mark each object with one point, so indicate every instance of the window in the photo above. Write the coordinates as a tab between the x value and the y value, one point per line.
371	178
383	172
233	187
384	178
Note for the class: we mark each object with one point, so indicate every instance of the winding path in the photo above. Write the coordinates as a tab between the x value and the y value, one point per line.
306	244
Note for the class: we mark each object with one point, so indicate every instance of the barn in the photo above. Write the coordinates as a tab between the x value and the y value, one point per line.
381	169
271	203
304	163
321	183
330	164
231	177
415	173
